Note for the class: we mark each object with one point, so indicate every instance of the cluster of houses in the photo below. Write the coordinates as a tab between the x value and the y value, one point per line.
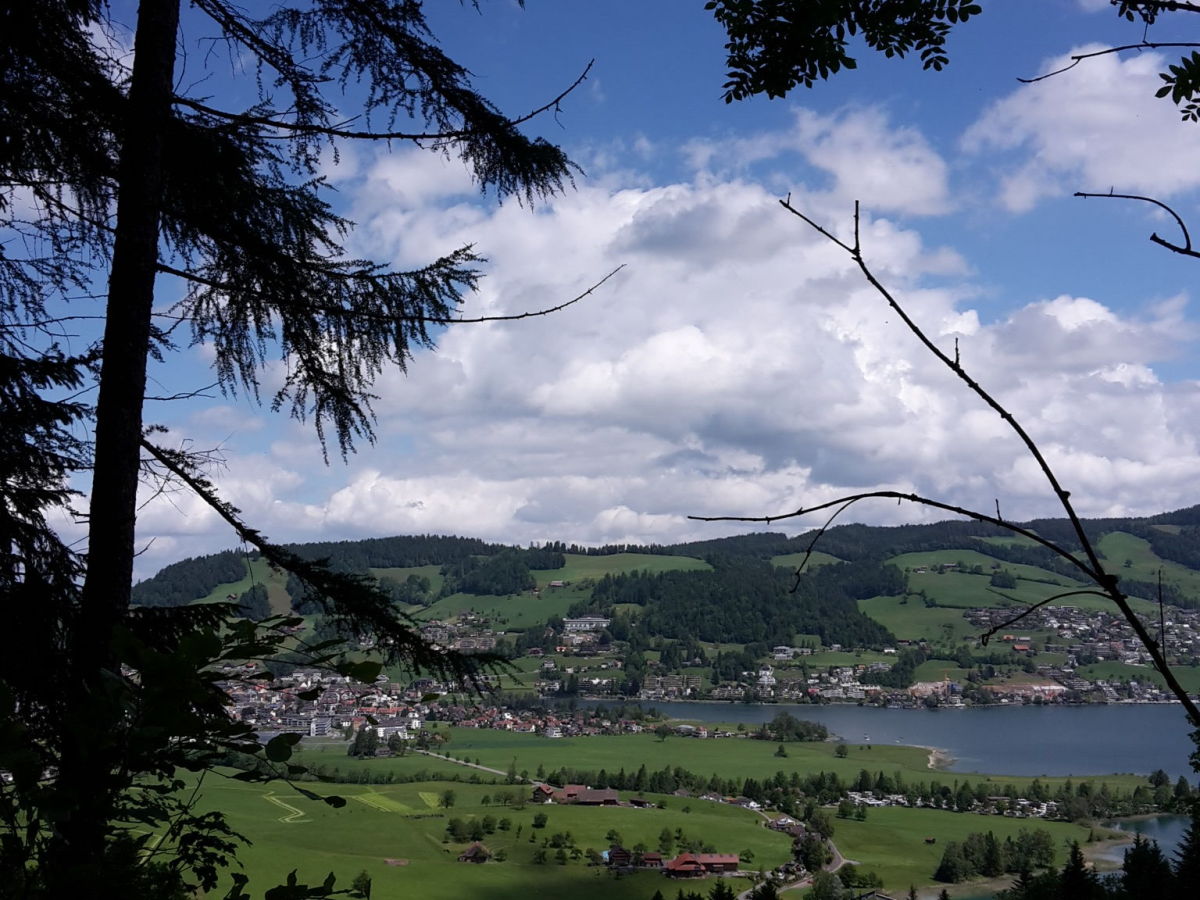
393	709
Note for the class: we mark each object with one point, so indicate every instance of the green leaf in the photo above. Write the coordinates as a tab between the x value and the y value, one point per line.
335	801
311	693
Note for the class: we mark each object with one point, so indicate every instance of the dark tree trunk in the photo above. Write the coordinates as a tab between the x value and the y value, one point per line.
89	772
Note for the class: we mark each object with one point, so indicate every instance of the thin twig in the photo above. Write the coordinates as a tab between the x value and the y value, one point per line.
1080	57
336	131
430	320
846	500
1185	248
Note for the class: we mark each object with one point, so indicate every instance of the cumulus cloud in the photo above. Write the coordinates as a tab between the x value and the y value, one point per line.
738	364
1093	127
859	151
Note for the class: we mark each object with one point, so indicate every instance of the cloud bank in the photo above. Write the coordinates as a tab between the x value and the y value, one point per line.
738	364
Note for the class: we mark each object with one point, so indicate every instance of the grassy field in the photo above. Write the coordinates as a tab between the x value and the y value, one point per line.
823	658
1188	676
396	833
913	621
512	611
891	842
793	560
259	573
939	670
727	757
968	558
1145	564
580	567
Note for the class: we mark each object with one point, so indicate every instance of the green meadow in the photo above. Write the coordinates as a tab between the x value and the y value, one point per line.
580	567
793	560
729	758
909	619
892	840
259	572
1188	676
397	834
1119	547
516	611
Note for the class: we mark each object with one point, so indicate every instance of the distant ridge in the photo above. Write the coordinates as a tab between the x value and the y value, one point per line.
1172	536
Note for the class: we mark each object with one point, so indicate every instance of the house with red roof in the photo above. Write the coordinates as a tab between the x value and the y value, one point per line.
697	865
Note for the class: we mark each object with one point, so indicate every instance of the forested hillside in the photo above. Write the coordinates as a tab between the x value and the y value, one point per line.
747	601
742	592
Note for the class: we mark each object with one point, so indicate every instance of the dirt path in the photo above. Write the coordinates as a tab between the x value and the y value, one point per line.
469	765
834	864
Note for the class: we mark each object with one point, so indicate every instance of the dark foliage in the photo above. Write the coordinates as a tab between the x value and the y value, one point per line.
747	601
190	579
775	45
113	175
499	575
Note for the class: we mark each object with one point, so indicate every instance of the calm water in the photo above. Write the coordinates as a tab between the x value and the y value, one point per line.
1001	740
1167	830
1009	740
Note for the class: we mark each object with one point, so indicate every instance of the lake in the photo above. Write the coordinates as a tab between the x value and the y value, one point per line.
1002	740
1166	830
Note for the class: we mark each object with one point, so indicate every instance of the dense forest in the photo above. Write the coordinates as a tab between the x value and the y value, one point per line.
505	573
190	579
748	601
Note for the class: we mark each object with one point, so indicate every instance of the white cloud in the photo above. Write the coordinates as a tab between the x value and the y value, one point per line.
1094	127
860	151
738	365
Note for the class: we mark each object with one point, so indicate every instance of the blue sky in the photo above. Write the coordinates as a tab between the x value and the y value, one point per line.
738	364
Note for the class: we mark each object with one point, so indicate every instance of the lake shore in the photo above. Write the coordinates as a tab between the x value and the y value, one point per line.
1027	741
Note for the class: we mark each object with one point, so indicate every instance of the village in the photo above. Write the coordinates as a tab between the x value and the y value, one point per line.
581	668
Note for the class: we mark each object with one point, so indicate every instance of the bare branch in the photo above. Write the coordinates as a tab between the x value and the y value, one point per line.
813	543
1092	567
1097	570
1080	57
845	502
529	315
1184	249
220	286
189	395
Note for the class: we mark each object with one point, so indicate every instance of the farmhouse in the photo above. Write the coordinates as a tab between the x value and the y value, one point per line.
697	865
